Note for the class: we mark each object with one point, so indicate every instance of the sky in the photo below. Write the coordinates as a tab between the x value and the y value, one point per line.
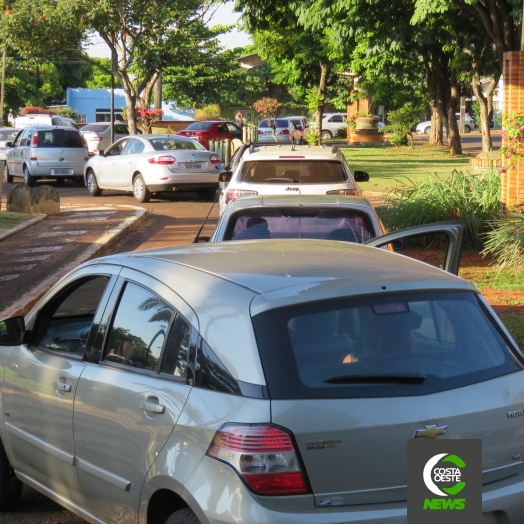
224	15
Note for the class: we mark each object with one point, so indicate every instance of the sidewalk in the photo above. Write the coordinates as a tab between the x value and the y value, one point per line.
34	259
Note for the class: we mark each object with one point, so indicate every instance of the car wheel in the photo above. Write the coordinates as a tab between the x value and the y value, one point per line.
207	194
326	135
92	184
467	129
10	486
140	191
183	516
8	177
28	179
427	130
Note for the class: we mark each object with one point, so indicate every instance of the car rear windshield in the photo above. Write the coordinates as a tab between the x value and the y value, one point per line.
171	143
293	172
281	122
59	138
96	128
200	126
394	345
347	225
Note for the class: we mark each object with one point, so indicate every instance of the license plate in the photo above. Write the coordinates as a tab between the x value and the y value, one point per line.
60	171
188	165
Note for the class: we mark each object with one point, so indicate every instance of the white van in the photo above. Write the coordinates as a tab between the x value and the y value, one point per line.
44	120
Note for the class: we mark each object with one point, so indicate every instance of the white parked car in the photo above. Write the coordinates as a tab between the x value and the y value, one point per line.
272	169
98	135
37	119
7	134
148	164
425	127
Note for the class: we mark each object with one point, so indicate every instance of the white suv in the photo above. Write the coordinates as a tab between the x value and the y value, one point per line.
272	169
331	123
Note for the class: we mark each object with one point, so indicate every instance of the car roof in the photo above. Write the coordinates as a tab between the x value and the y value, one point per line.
288	152
298	201
46	127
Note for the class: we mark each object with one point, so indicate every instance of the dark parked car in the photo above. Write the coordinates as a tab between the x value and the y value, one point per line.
207	130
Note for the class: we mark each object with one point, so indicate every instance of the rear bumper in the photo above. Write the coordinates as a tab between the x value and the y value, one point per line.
502	503
156	188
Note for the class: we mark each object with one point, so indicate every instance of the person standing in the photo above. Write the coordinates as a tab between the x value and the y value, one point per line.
239	119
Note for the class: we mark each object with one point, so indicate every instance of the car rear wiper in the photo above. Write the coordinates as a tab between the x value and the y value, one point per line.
400	378
280	179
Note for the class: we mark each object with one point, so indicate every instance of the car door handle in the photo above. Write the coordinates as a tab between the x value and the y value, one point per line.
62	386
153	408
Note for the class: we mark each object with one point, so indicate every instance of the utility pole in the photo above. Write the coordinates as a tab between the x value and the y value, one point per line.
2	90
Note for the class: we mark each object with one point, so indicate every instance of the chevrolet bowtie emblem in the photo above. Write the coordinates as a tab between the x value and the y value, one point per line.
432	431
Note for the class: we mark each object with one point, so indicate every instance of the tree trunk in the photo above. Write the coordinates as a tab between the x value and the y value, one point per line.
436	137
455	147
485	117
319	113
158	92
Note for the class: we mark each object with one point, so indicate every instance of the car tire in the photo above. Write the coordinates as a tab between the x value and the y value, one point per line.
207	194
8	177
183	516
467	129
326	135
92	184
28	178
10	486
427	130
140	191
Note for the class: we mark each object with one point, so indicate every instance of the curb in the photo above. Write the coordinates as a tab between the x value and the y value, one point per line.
97	249
22	226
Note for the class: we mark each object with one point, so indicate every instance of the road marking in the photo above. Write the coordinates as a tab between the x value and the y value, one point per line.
37	250
83	220
31	259
19	268
94	213
9	277
58	233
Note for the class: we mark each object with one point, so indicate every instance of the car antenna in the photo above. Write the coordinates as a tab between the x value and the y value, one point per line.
195	241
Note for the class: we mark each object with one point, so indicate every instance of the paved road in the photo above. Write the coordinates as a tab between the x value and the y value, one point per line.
174	219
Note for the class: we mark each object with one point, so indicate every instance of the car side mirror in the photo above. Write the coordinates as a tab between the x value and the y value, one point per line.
12	331
225	176
9	144
398	245
201	240
361	176
101	152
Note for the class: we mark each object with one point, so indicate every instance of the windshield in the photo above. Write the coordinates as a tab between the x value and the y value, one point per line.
281	122
293	172
347	225
96	128
389	345
59	138
200	126
172	143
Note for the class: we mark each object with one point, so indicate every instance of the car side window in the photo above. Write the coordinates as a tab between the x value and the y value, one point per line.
18	139
134	147
23	137
117	149
176	352
121	130
336	118
139	329
222	128
234	130
64	322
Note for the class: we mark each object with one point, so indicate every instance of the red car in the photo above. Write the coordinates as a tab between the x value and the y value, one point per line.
207	130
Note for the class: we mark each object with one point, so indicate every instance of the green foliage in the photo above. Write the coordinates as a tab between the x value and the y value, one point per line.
64	111
515	325
475	108
401	122
100	77
208	112
313	139
505	241
342	132
474	198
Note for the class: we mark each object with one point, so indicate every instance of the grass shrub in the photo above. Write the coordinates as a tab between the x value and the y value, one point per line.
505	242
474	198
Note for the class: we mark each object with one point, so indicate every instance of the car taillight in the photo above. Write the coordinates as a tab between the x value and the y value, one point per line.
263	455
233	194
214	159
260	132
347	192
162	160
284	132
34	141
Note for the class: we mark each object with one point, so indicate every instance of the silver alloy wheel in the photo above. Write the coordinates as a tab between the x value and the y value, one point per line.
427	131
138	188
91	182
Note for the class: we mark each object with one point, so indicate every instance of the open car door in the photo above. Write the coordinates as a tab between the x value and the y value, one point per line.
453	231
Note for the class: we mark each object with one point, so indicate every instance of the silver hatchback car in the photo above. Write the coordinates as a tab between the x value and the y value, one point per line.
261	382
57	152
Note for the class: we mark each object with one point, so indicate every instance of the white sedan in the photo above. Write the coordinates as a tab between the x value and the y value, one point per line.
148	164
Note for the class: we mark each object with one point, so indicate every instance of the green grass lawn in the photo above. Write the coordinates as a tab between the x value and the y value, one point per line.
9	220
388	165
